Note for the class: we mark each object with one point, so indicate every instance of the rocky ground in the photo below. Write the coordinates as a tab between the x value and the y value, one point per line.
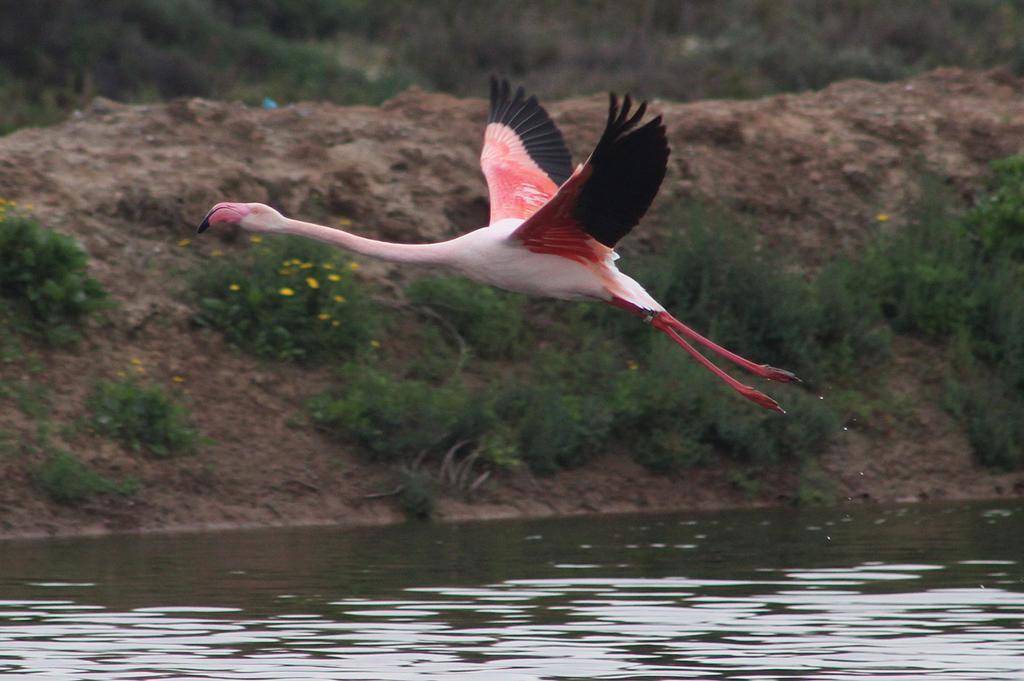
130	182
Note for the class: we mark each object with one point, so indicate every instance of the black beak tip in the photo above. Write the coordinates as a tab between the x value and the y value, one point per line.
203	226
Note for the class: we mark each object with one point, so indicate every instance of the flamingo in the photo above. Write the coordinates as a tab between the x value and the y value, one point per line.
552	230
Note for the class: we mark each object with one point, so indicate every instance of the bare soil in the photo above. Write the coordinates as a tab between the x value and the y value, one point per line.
813	171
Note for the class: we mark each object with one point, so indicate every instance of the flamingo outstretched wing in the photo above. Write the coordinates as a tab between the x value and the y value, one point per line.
606	196
524	157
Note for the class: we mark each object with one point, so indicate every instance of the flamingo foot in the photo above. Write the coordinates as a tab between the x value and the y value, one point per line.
760	399
780	375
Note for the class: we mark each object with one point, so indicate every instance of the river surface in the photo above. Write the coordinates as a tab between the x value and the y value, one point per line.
920	592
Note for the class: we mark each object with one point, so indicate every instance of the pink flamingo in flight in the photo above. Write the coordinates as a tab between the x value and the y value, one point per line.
552	229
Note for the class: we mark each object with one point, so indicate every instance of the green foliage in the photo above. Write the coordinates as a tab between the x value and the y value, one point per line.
418	494
67	480
997	219
59	54
285	300
716	278
43	277
959	279
679	415
397	419
490	320
142	417
922	273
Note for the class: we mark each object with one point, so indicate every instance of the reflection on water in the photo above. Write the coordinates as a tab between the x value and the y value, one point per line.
921	592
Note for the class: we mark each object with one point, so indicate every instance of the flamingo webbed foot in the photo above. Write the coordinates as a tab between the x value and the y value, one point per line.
780	375
759	398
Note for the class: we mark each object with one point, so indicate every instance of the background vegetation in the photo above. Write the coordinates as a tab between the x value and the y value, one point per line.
56	55
481	379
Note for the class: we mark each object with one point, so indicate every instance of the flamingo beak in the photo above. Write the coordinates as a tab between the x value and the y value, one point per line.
205	224
231	213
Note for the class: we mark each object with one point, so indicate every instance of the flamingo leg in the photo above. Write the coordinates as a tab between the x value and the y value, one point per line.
665	326
762	370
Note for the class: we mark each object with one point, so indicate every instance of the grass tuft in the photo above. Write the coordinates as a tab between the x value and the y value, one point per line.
142	417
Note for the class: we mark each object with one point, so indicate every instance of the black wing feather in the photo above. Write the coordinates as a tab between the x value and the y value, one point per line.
536	130
628	166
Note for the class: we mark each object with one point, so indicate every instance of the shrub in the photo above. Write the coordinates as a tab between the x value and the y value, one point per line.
397	419
142	417
67	480
715	278
922	274
490	320
997	219
43	275
678	415
994	417
284	300
418	494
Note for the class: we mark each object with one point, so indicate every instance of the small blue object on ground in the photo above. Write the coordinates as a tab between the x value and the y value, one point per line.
268	103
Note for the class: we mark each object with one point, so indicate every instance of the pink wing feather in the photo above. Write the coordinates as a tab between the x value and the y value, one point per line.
524	157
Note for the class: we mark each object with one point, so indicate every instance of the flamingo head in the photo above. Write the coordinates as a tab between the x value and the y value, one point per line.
254	217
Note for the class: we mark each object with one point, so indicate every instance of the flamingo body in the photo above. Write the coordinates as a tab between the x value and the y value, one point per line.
552	229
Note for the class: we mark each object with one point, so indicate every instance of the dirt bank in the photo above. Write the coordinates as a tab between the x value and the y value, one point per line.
130	182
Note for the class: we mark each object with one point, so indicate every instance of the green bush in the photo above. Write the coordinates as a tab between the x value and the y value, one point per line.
490	320
715	278
43	276
923	273
286	300
994	416
67	480
678	415
997	219
397	419
354	51
958	278
418	494
142	417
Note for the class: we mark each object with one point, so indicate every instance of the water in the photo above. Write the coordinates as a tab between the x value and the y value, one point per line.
924	592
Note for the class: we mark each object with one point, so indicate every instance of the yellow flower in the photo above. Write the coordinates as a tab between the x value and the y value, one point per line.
178	379
375	344
335	323
339	299
121	374
306	265
632	365
882	217
344	222
334	277
286	291
136	361
256	239
323	316
217	253
185	242
327	265
234	287
285	272
353	266
312	283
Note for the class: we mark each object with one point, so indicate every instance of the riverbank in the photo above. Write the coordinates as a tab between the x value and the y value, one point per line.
813	171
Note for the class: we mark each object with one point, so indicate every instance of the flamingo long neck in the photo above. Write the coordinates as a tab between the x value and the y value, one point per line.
437	254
